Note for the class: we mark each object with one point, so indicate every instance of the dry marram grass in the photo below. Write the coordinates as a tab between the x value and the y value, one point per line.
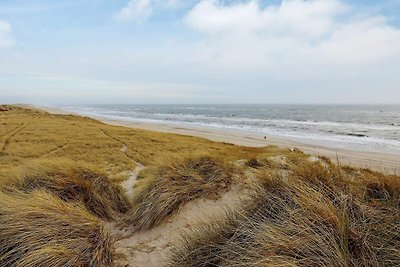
73	182
315	217
39	229
180	182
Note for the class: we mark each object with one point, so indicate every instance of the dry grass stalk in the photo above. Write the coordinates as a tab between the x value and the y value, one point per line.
39	229
74	182
312	218
177	184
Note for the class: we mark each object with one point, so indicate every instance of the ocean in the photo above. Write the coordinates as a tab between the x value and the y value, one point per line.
374	128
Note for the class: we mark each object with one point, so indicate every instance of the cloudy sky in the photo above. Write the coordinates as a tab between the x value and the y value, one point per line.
191	51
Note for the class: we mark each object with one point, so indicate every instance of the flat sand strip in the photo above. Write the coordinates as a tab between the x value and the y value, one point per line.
384	162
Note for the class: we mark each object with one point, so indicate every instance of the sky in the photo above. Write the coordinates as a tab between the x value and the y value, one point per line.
208	51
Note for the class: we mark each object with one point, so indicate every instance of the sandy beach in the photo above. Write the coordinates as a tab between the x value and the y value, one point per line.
384	162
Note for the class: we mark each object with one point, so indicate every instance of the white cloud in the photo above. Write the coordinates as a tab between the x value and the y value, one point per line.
363	41
136	10
311	18
5	35
319	32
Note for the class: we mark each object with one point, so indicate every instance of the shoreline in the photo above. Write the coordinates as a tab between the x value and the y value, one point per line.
384	162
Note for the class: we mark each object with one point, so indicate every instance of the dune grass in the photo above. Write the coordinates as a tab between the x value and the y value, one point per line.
318	216
39	229
174	185
72	182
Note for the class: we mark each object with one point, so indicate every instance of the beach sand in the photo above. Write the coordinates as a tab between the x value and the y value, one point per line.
384	162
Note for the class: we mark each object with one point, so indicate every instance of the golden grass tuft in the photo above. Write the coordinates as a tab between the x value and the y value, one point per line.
379	187
311	218
74	182
175	185
39	229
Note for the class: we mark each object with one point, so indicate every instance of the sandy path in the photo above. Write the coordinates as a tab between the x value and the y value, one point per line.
151	248
129	184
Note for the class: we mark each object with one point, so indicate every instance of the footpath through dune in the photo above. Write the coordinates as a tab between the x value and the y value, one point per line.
150	248
129	184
